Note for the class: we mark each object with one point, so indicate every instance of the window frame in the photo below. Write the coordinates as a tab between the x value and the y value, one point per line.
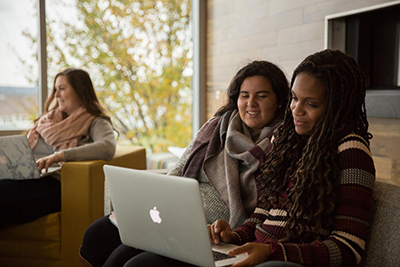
199	62
42	55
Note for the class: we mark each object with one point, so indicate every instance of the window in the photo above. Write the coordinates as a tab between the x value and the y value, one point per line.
139	56
372	36
18	82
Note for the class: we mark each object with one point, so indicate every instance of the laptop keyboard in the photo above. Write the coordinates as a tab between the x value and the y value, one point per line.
218	256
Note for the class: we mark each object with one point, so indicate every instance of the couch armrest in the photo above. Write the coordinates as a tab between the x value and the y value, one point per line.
82	195
130	157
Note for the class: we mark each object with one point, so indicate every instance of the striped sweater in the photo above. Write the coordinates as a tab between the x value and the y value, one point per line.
345	244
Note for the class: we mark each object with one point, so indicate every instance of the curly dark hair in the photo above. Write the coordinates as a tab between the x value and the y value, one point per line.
263	68
309	162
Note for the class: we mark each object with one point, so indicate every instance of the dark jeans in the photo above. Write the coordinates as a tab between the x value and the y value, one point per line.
102	245
147	259
279	264
23	201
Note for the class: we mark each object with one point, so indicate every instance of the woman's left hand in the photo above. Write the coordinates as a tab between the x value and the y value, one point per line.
257	253
46	162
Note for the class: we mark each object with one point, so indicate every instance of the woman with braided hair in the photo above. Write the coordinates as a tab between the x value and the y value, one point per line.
317	182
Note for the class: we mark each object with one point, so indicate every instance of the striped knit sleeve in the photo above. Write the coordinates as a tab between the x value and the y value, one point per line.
246	232
346	243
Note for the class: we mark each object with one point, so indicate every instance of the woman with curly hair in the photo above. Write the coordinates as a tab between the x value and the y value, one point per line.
317	182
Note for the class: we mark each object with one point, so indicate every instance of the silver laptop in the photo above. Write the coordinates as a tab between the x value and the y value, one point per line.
163	214
17	161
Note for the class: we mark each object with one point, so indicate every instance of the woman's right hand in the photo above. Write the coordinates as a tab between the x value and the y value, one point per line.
220	231
46	162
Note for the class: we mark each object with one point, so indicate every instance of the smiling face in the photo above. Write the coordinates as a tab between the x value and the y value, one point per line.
257	102
68	99
308	103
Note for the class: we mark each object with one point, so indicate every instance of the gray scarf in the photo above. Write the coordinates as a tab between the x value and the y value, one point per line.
233	171
231	161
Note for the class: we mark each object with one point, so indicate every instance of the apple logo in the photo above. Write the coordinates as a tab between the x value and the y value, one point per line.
155	215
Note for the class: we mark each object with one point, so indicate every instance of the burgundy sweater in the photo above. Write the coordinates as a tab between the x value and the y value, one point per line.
345	244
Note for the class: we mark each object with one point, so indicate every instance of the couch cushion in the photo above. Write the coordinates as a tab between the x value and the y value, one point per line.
39	239
383	245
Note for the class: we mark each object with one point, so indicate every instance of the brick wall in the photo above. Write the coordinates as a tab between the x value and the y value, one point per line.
283	32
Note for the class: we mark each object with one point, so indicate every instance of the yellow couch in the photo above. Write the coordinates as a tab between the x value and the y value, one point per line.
54	240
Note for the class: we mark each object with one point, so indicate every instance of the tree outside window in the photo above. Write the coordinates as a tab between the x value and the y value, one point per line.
139	55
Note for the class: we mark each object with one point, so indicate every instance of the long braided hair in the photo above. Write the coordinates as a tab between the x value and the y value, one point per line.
309	162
